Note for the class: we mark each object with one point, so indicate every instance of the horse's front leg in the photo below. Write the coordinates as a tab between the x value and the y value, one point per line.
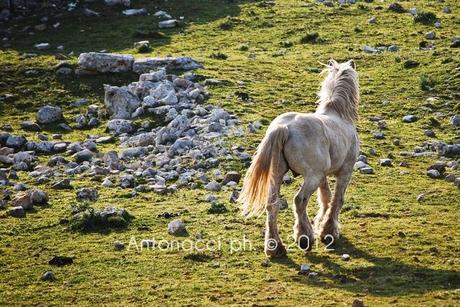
330	225
303	231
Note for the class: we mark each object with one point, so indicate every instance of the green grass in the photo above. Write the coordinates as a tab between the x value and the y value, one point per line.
402	252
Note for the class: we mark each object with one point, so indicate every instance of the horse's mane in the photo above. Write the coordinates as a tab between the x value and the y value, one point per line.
340	91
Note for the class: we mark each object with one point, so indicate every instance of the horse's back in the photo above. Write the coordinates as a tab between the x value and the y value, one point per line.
317	142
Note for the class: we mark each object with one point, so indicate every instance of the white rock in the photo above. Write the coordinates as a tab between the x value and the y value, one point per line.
176	227
170	23
162	14
49	114
135	12
105	62
42	46
368	49
120	102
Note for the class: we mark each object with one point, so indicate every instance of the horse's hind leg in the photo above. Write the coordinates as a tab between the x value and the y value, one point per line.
303	231
330	223
273	244
324	199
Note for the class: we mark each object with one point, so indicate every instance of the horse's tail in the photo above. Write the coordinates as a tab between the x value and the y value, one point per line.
256	187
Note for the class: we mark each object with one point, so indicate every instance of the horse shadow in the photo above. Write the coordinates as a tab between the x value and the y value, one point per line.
381	276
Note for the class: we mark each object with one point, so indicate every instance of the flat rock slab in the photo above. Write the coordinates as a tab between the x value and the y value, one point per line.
105	62
170	63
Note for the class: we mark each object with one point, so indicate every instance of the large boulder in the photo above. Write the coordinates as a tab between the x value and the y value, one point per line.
49	114
105	62
120	102
170	63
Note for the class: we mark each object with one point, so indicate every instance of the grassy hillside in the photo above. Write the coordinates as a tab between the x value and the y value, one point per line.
402	251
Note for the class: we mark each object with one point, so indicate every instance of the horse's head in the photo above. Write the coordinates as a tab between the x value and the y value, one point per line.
340	88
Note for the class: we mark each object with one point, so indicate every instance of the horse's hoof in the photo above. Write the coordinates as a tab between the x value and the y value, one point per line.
277	252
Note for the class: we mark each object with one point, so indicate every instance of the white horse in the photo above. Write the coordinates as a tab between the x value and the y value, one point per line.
314	145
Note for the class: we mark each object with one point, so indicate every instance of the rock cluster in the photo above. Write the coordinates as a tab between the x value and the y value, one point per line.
169	138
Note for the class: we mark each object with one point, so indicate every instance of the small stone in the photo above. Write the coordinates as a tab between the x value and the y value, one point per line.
107	183
455	120
385	162
378	135
450	178
17	212
430	35
396	142
48	276
345	257
304	269
393	48
38	197
413	11
213	186
432	173
170	23
312	275
420	198
372	20
87	194
366	170
49	114
162	14
457	182
176	227
83	155
142	46
429	133
265	263
360	164
358	303
62	185
23	200
447	10
234	196
231	176
396	7
362	158
368	49
30	126
90	13
117	245
135	12
120	126
42	46
409	118
15	141
64	127
127	181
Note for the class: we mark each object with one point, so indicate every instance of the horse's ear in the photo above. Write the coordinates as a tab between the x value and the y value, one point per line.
352	64
332	63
